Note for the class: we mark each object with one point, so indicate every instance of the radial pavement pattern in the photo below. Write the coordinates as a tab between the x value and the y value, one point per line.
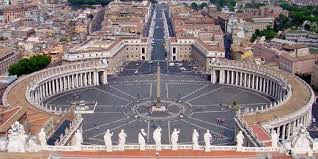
200	102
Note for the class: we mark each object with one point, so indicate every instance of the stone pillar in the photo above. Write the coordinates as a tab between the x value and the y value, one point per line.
53	86
50	88
81	79
284	132
245	79
95	75
222	75
213	76
73	81
288	130
105	77
76	80
236	78
232	78
264	85
257	82
85	79
61	84
253	81
90	78
228	77
241	78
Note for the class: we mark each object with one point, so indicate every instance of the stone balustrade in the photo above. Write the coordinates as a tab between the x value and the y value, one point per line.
75	125
153	147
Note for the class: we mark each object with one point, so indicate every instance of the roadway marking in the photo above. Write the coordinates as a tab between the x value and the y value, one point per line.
194	91
167	90
105	124
114	128
211	123
112	94
202	127
205	94
122	92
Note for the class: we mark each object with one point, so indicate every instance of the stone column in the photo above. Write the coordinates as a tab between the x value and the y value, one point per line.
53	86
90	78
61	84
50	88
213	76
228	77
95	77
288	130
261	84
81	80
284	132
85	79
222	75
105	77
253	81
257	82
241	78
76	80
264	85
232	78
73	81
236	78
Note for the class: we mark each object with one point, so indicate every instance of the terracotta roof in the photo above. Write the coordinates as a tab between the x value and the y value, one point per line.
8	117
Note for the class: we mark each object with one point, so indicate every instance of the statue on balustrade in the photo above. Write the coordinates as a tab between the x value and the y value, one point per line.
174	139
17	138
42	138
32	145
207	140
78	139
275	139
195	139
142	139
122	139
239	141
157	138
108	140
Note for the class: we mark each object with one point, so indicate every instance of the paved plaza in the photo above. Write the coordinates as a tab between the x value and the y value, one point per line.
203	102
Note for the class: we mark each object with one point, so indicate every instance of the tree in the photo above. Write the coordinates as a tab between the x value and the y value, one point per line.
202	5
194	6
26	66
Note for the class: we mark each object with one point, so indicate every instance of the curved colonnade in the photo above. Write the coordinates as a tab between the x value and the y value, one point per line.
293	97
292	106
49	82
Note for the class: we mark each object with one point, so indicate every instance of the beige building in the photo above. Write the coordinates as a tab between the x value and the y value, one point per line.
116	52
7	57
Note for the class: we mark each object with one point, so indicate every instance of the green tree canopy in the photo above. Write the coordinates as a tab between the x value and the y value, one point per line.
26	66
194	6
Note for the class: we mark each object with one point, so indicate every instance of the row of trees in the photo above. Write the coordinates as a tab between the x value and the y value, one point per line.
221	3
269	33
89	2
195	6
297	16
32	64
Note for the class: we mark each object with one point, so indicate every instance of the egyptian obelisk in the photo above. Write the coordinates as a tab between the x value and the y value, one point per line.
158	85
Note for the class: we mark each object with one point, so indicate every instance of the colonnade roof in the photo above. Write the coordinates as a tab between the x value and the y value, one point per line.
300	97
36	118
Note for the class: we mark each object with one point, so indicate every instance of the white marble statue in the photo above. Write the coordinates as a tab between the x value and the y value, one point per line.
157	138
275	139
239	141
207	140
195	139
17	138
108	141
42	138
142	139
78	139
122	139
32	145
174	139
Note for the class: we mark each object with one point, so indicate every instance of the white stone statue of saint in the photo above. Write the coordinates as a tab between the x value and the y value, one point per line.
195	139
174	139
275	138
207	140
142	139
122	140
17	138
108	141
239	141
42	138
32	145
78	139
157	137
